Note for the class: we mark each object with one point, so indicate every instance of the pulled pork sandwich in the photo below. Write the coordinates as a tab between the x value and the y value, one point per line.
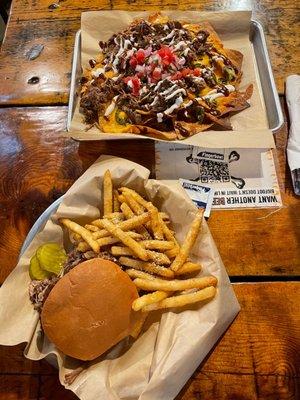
89	309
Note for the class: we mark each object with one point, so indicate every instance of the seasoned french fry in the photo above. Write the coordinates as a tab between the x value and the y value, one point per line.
138	250
169	235
138	326
189	241
74	237
156	226
135	273
161	245
107	240
127	225
91	228
116	201
129	214
115	215
158	258
148	299
175	285
121	251
138	203
84	233
182	300
188	267
146	266
107	193
173	252
83	247
164	216
126	210
133	204
137	197
121	198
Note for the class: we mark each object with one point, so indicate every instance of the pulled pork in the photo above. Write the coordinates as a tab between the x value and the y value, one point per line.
39	290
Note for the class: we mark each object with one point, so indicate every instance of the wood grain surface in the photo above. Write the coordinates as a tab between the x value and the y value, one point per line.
36	23
38	164
257	358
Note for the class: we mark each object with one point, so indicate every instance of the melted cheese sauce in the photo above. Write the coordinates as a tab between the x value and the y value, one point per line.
110	125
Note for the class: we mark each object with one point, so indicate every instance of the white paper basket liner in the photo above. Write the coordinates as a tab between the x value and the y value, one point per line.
160	361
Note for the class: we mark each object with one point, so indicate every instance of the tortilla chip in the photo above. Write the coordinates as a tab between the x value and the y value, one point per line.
157	18
148	131
186	129
236	101
223	123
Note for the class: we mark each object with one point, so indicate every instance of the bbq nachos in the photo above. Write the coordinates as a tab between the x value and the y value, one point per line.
164	79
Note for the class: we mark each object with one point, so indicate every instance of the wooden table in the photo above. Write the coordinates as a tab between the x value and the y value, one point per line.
258	357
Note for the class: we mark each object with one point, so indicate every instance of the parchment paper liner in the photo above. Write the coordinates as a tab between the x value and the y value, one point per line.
250	126
157	365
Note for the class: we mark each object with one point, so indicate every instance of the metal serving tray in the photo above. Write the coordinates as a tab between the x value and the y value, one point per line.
268	87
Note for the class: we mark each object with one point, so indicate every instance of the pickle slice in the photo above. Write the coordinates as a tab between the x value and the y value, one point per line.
35	270
51	257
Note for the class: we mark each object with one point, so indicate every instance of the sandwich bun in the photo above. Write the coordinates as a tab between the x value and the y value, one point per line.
89	309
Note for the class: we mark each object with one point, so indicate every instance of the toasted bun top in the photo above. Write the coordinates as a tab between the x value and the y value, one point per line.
89	309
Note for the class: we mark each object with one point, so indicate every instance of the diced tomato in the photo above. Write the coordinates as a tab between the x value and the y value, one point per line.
140	56
156	74
197	72
133	62
165	61
186	72
136	83
176	76
166	55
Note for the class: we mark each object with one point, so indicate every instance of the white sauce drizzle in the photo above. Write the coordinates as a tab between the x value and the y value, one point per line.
169	36
126	44
197	79
217	58
158	85
167	91
116	60
172	41
180	45
143	90
230	88
160	117
156	98
111	107
97	72
177	104
213	96
189	103
175	93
